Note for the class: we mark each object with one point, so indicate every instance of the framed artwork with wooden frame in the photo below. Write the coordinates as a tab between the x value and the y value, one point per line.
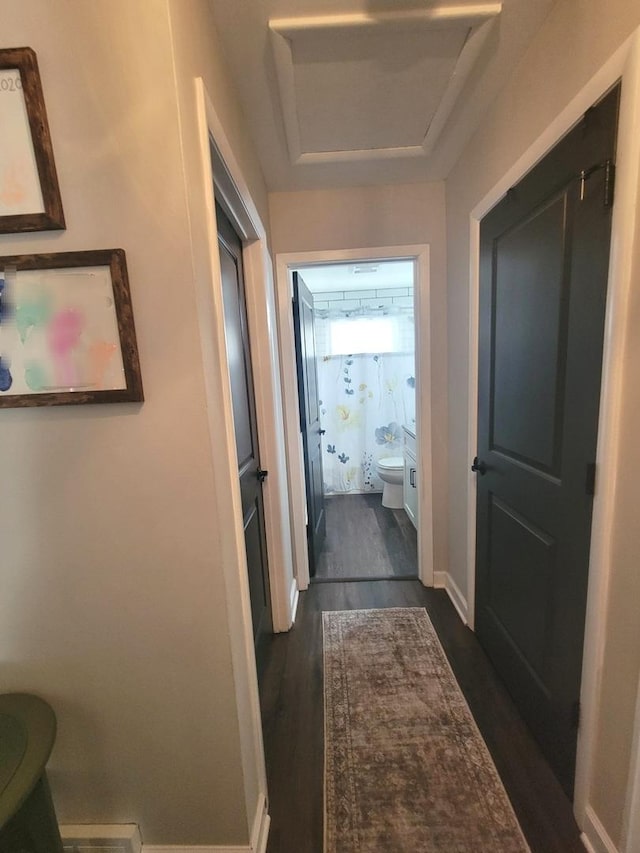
29	192
66	330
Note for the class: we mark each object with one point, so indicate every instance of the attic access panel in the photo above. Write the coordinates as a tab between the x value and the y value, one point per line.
359	87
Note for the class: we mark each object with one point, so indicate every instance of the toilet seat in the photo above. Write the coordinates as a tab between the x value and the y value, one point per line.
391	462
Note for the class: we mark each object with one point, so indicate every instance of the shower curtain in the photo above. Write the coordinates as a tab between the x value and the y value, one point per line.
364	401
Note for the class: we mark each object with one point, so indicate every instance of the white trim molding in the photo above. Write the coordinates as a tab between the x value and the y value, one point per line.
625	64
195	848
233	194
260	830
594	836
126	838
443	580
109	838
457	598
285	263
478	19
295	598
631	818
222	170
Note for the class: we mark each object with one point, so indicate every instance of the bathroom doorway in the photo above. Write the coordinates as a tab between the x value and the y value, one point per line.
354	326
286	264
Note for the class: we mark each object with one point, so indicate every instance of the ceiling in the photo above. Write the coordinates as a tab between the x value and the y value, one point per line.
363	92
362	276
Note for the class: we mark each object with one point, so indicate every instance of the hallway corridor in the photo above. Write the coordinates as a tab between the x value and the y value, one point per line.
293	722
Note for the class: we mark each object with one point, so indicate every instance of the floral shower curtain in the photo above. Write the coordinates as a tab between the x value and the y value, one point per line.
364	401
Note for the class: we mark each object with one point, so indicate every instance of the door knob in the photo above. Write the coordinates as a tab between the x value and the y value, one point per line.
322	431
479	466
262	475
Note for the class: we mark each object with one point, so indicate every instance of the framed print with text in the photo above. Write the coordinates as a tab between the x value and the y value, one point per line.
29	192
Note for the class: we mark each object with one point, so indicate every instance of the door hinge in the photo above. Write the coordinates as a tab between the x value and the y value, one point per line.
609	180
575	715
590	479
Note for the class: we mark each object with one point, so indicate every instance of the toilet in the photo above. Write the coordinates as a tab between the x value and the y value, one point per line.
391	472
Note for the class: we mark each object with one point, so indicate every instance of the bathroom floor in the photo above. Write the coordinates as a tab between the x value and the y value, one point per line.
365	540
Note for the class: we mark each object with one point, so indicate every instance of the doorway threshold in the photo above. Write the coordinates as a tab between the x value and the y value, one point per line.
360	579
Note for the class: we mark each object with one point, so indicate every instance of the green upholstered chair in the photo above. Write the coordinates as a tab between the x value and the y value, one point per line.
27	816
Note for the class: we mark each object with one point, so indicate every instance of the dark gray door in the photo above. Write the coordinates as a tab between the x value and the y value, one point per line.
244	420
544	262
309	417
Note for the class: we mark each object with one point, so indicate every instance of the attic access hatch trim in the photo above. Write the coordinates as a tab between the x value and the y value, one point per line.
478	18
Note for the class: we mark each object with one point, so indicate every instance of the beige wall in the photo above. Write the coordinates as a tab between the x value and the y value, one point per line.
576	39
113	603
367	217
196	55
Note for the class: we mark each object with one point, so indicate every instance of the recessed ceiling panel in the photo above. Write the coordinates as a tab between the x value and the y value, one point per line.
356	87
366	90
255	32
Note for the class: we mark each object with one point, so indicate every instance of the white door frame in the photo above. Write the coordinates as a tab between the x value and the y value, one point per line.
225	174
625	64
234	196
631	822
285	264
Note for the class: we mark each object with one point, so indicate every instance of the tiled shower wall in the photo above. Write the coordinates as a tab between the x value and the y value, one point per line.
346	300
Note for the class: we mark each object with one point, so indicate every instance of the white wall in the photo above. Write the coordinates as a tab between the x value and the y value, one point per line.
575	41
113	603
367	217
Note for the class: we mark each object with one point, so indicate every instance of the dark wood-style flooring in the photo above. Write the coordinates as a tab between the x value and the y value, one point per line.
366	540
293	718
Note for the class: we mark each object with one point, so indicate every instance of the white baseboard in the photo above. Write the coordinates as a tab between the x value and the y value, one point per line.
154	848
595	837
101	838
294	598
458	599
260	832
443	580
125	838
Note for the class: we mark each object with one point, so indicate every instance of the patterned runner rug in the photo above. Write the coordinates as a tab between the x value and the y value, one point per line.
406	769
